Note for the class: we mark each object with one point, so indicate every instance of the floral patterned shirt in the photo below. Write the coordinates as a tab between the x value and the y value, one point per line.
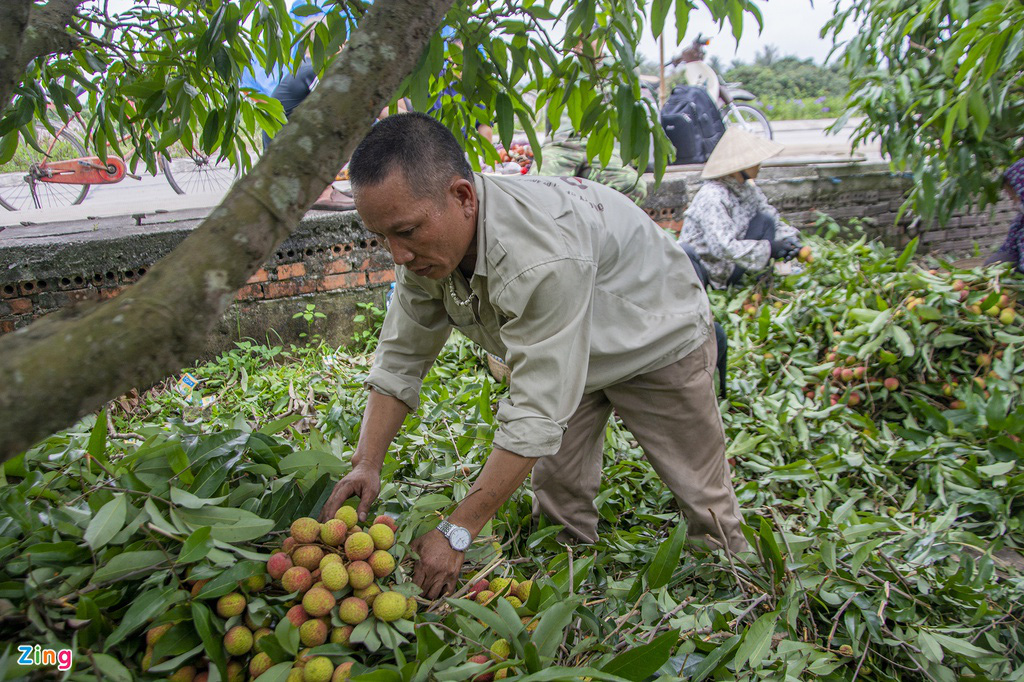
716	221
1013	245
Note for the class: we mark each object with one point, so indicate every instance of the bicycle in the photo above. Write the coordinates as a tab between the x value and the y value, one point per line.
63	174
699	73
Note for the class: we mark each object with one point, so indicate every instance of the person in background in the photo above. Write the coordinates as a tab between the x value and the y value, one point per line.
564	154
1012	249
293	90
730	228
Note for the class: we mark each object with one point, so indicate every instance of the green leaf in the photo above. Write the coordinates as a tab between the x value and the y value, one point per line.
274	647
714	659
553	622
559	673
308	462
960	646
186	499
997	469
196	547
277	673
109	520
929	647
228	524
756	641
640	662
280	425
659	11
97	447
505	118
771	549
179	640
143	609
902	339
109	668
8	146
949	340
228	580
908	253
172	664
666	561
203	620
128	563
492	619
211	131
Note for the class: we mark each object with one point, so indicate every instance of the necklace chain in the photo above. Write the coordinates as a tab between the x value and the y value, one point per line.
455	297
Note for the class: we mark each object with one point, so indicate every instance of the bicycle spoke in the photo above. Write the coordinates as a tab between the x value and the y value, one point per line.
198	174
22	190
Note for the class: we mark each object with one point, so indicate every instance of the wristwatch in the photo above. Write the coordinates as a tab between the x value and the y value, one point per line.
458	537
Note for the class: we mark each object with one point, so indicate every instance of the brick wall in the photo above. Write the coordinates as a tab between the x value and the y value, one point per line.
328	254
868	192
332	262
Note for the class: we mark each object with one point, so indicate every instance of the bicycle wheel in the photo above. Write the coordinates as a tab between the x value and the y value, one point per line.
20	179
749	118
198	173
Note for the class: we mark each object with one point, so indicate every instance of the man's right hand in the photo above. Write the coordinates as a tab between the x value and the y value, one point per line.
363	482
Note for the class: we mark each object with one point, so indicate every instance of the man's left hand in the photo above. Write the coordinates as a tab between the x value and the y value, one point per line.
439	566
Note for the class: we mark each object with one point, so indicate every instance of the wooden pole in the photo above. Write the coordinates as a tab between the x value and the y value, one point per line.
661	65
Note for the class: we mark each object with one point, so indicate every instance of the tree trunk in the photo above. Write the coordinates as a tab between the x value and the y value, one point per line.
70	363
27	32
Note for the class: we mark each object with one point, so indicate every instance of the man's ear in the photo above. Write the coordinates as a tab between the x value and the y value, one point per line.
464	192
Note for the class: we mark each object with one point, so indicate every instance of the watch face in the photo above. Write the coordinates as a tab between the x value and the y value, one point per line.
459	539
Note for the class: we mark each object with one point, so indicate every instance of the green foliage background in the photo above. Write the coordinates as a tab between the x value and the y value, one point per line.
941	83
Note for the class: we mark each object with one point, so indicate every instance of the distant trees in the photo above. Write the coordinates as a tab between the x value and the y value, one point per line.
776	77
772	77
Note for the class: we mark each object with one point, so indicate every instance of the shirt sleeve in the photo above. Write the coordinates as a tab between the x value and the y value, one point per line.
415	328
719	231
782	228
548	339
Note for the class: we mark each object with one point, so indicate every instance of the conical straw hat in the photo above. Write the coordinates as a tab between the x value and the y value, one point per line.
736	151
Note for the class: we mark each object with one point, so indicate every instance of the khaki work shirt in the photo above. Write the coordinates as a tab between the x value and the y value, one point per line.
574	286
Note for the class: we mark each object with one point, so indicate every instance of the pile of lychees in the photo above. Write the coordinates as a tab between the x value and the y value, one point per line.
486	593
333	569
333	576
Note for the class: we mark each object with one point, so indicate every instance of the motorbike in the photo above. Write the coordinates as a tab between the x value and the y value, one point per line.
733	101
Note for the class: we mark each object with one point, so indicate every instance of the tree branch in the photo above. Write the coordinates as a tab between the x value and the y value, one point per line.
70	363
27	32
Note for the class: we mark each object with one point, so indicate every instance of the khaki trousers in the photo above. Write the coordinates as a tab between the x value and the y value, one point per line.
673	414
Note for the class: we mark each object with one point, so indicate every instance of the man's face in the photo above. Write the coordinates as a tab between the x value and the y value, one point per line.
430	236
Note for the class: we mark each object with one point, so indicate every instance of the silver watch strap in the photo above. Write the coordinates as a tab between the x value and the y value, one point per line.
445	527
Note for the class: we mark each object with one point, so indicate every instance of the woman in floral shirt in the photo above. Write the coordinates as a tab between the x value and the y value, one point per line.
1012	250
729	224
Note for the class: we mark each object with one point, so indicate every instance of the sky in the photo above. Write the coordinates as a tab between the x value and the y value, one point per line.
790	25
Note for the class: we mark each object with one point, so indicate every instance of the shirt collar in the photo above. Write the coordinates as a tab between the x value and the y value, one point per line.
735	186
480	269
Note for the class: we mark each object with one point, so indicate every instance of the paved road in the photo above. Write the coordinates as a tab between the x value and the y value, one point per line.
804	141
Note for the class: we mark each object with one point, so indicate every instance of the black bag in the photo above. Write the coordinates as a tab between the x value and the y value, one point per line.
693	123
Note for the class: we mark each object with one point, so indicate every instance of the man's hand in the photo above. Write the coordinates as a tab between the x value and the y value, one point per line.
364	482
439	566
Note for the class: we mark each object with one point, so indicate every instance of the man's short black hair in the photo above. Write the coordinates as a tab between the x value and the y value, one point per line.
426	153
